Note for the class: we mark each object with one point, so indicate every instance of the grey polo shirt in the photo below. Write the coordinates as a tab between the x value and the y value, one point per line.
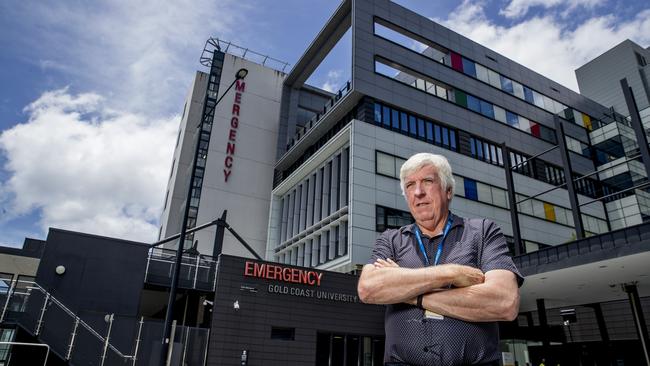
410	337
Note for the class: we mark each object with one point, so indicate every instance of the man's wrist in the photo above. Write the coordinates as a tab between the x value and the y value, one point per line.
418	303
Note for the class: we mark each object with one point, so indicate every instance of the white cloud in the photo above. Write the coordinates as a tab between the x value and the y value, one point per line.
86	167
140	54
334	81
546	45
519	8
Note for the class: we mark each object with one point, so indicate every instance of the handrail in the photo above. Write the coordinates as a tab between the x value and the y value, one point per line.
36	286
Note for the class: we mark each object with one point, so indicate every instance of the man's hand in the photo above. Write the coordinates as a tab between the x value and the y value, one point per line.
464	276
461	276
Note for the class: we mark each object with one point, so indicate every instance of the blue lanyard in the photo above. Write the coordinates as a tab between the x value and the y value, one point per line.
445	231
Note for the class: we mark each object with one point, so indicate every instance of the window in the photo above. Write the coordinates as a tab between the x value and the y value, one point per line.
487	109
506	85
390	218
473	103
378	113
482	73
471	191
469	67
385	164
512	119
285	334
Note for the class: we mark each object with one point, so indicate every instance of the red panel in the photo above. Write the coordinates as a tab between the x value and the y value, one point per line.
535	129
456	61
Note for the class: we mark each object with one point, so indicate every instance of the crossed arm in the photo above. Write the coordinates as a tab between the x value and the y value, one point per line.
476	297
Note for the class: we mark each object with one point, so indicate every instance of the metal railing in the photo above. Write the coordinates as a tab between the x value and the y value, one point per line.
73	339
246	53
614	239
197	270
302	131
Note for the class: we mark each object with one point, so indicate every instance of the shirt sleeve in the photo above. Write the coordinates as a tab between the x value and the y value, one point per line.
495	253
383	247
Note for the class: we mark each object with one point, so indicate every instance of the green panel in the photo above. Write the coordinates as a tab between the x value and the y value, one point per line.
461	98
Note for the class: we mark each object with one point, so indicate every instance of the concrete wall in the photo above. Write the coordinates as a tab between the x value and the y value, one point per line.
246	194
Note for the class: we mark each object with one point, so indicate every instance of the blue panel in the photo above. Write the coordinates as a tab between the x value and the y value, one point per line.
470	189
395	119
429	131
506	85
469	68
512	119
404	124
528	95
386	116
378	113
412	126
487	109
421	132
473	103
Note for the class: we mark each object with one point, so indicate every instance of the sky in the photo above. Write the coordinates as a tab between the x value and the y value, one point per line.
91	92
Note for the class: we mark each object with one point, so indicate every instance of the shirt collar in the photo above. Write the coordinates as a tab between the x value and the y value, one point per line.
455	221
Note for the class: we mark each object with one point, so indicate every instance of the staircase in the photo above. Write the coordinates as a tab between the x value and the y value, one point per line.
36	311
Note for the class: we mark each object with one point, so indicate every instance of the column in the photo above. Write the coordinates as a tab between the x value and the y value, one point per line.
343	194
292	195
343	239
285	213
310	200
307	257
303	205
326	190
334	196
296	211
318	189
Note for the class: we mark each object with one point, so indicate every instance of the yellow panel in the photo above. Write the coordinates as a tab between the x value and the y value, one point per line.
586	121
549	211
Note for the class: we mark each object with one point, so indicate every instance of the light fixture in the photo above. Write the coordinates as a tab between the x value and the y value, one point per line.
235	305
60	270
241	73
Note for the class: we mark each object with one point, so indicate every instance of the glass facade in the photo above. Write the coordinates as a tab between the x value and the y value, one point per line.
464	100
474	190
475	70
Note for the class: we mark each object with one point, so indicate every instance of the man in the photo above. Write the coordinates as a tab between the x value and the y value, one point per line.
446	280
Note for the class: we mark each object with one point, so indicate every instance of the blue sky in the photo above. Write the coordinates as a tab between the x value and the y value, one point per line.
91	92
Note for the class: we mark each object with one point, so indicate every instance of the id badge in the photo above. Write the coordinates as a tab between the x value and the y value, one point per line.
431	315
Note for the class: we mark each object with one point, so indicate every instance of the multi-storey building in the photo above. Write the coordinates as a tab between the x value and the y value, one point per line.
310	178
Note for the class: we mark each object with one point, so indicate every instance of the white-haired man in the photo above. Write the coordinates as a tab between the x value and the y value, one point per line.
446	280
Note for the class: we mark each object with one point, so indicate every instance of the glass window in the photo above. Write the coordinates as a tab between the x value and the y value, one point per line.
518	89
479	149
452	139
470	189
538	209
445	136
386	116
500	114
398	165
460	186
549	211
512	119
456	62
495	79
506	85
472	145
438	138
468	67
499	197
473	103
560	215
441	92
385	164
404	122
525	207
421	132
548	104
419	83
484	192
482	73
431	88
461	98
385	70
528	95
412	126
429	131
499	156
395	119
538	99
377	113
487	109
524	124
